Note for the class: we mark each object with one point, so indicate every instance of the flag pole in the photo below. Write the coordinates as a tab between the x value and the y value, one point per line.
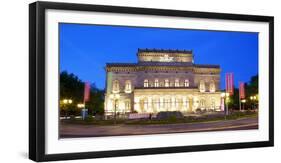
239	102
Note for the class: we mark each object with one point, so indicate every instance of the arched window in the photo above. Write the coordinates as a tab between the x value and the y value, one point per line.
177	102
167	83
127	105
202	86
156	83
185	103
115	86
186	83
167	103
202	103
156	104
145	105
212	86
145	83
128	86
177	83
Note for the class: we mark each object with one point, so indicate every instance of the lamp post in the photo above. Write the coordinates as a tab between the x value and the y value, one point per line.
66	102
225	100
243	102
115	98
81	106
253	99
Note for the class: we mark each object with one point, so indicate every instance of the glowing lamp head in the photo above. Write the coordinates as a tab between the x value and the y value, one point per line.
65	101
80	105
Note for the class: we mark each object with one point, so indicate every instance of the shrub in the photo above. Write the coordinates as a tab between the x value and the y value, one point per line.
172	118
89	118
169	114
99	117
72	117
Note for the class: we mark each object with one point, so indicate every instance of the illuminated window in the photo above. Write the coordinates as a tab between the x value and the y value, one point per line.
145	83
156	83
115	104
186	83
166	82
213	103
212	86
156	104
177	102
167	103
128	105
202	103
128	86
202	86
185	102
177	83
145	104
115	86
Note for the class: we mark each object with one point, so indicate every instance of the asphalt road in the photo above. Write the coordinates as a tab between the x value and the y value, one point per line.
78	130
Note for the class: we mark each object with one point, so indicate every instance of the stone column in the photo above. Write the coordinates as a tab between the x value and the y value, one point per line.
149	105
190	101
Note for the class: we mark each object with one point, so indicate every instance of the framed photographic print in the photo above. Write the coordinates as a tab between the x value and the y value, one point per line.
108	81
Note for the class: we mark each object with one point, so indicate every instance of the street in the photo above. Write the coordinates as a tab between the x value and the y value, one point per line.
78	130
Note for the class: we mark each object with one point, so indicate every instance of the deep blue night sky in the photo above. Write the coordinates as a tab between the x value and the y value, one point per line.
85	49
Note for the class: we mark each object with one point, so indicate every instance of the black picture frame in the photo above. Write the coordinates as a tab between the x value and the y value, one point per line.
37	80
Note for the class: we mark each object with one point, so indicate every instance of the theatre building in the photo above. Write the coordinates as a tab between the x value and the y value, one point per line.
162	80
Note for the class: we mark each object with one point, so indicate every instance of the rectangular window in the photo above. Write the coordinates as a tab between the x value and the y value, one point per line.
145	84
167	83
177	83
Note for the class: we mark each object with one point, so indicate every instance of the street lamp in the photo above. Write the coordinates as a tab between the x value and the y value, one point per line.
253	99
115	98
66	102
80	106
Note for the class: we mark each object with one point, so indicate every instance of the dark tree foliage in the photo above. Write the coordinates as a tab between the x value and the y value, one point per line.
71	87
234	99
96	102
251	89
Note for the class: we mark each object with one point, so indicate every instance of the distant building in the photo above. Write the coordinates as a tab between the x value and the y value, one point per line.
162	80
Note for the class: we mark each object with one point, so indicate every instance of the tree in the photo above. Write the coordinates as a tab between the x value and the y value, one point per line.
252	89
71	87
253	86
96	102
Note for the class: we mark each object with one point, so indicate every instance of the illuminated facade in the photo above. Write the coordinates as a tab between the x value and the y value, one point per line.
162	80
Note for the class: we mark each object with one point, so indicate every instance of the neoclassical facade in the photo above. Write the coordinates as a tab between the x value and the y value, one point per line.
162	80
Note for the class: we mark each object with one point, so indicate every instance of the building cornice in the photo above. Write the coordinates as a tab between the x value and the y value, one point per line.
193	69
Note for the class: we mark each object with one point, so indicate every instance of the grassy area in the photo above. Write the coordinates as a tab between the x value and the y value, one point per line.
170	120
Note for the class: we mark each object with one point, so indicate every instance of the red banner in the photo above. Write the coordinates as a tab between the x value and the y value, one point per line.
242	90
229	83
87	92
